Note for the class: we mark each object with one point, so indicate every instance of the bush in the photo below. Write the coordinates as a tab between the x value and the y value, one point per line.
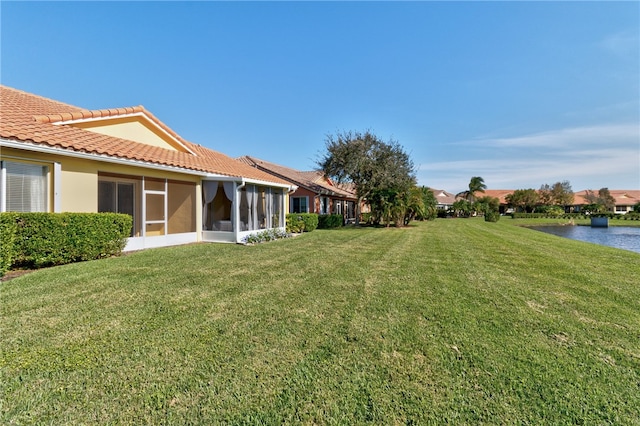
327	221
48	239
268	235
8	228
491	216
301	222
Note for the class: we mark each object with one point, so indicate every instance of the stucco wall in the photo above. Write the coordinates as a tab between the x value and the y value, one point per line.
132	128
79	179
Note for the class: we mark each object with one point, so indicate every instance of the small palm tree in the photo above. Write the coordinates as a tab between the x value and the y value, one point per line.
476	185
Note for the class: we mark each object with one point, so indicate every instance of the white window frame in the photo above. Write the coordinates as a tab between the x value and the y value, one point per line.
306	200
325	202
47	182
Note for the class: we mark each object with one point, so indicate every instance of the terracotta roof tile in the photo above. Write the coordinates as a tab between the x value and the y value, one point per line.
29	118
312	180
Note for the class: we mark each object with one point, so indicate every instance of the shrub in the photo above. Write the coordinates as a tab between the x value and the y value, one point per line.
327	221
491	216
268	235
8	228
550	211
301	222
48	239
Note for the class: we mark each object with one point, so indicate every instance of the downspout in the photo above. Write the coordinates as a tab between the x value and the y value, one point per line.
236	211
291	190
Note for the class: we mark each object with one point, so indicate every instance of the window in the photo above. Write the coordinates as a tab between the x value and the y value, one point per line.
299	205
24	187
117	197
260	208
337	207
324	205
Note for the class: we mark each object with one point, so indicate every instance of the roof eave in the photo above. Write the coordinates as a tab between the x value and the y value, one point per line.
46	149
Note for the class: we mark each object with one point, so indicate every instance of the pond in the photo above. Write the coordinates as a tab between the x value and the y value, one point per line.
623	237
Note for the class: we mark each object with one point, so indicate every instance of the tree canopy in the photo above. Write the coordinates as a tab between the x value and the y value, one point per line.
371	165
526	199
559	194
603	199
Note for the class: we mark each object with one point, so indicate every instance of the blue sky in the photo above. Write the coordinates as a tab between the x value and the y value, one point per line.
519	93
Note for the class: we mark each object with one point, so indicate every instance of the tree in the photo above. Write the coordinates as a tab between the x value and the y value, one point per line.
430	205
562	193
476	184
489	207
558	194
525	199
370	164
603	200
461	208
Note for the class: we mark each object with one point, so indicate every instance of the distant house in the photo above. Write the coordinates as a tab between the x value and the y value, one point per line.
445	199
315	193
57	157
625	199
501	195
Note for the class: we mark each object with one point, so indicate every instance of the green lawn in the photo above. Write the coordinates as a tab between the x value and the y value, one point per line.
452	321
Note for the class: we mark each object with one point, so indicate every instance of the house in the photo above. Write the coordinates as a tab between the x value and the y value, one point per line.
625	199
501	195
57	157
444	199
315	194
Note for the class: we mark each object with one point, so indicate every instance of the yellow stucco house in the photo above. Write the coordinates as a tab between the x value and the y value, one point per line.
56	157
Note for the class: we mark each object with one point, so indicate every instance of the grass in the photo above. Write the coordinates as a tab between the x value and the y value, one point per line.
452	321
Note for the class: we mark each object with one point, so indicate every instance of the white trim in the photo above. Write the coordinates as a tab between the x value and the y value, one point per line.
26	146
57	187
140	243
3	187
128	115
291	198
243	180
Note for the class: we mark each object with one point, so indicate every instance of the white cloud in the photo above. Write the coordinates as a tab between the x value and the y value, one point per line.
624	43
588	157
569	138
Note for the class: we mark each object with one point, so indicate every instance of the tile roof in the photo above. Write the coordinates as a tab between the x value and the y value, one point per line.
444	197
29	119
311	180
624	197
500	194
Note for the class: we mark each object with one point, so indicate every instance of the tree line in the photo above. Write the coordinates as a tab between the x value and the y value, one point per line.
383	174
557	198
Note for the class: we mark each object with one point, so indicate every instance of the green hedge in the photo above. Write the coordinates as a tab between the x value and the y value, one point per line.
547	216
610	215
327	221
48	239
301	222
8	228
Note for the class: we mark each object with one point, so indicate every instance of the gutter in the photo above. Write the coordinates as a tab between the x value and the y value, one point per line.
27	146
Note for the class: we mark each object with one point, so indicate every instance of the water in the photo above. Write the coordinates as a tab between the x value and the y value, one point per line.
623	237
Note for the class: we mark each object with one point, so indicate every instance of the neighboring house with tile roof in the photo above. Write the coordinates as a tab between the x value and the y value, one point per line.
57	157
315	194
625	199
445	199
